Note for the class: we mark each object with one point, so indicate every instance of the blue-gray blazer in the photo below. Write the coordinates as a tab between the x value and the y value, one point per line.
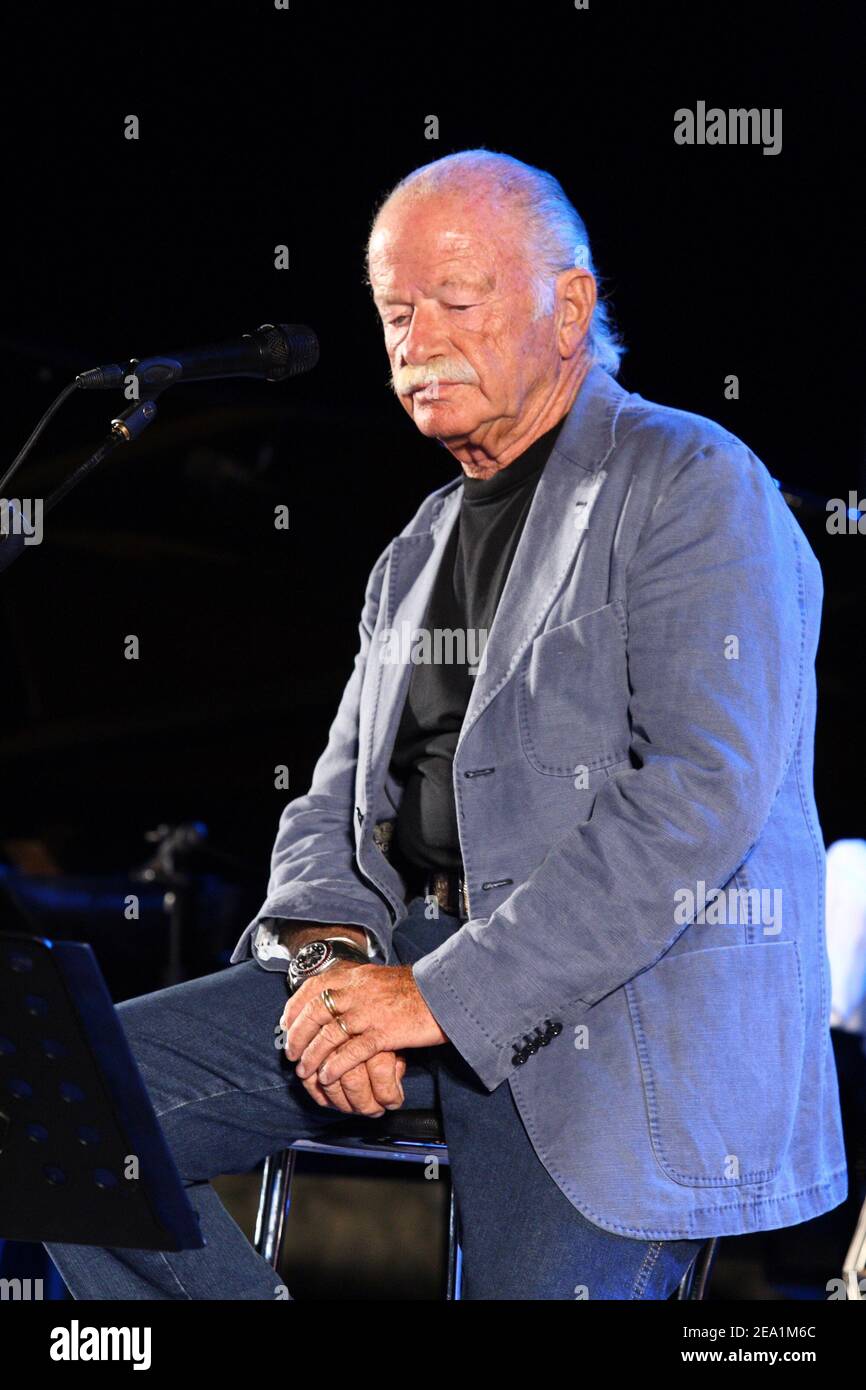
644	861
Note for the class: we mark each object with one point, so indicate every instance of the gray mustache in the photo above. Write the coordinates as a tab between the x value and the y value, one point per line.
410	379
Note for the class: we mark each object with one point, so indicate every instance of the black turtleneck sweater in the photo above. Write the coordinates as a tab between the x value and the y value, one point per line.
465	595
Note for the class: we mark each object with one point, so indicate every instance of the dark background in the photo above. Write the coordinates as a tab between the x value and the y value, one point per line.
261	127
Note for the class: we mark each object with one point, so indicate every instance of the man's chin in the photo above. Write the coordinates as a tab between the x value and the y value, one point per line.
442	420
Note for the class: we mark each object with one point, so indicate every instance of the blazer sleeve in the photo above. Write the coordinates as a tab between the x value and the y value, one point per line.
719	558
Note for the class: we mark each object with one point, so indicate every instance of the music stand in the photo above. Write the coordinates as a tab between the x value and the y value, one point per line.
82	1157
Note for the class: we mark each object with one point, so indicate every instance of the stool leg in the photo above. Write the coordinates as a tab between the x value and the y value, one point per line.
693	1285
703	1268
686	1284
274	1198
452	1276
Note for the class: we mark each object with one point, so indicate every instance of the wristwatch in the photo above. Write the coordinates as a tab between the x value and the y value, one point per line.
315	957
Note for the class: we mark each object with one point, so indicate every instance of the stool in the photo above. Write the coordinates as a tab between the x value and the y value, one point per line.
693	1285
403	1135
407	1136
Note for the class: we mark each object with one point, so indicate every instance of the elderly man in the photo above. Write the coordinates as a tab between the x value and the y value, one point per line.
528	880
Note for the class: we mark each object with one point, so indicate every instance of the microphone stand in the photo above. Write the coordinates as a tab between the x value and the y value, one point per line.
125	429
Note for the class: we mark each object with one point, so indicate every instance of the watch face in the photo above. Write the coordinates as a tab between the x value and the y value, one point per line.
311	956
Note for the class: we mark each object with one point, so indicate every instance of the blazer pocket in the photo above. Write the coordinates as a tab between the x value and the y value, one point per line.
720	1037
573	694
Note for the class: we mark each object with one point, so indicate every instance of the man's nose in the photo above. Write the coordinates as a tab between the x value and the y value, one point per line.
425	338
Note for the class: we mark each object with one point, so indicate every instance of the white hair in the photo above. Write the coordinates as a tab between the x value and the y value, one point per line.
556	236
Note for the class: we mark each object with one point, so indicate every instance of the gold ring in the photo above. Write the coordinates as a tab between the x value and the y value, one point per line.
327	999
343	1026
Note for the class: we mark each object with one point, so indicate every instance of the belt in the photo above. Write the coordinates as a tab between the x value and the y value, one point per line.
446	886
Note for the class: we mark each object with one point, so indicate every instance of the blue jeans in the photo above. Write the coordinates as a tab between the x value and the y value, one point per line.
226	1097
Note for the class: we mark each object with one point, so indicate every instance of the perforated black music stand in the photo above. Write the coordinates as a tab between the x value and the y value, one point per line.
82	1157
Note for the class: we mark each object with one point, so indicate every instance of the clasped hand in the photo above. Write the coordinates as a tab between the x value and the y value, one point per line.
383	1011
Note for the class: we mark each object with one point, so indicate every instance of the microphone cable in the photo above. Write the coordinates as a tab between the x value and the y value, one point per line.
28	445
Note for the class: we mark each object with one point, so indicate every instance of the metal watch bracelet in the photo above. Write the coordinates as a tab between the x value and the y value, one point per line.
316	957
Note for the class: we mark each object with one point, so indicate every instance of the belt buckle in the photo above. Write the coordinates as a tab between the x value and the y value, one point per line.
442	890
441	884
451	892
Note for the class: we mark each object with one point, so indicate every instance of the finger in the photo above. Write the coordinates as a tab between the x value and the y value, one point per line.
296	1002
337	1097
356	1084
351	1054
312	989
313	1087
327	1039
384	1082
313	1017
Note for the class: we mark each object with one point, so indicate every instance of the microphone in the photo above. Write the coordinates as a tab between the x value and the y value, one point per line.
273	353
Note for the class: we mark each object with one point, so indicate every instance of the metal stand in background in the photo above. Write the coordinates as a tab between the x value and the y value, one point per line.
125	428
175	844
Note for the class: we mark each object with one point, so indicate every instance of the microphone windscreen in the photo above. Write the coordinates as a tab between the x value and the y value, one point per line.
294	349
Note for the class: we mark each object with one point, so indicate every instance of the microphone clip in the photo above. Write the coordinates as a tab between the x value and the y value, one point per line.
133	421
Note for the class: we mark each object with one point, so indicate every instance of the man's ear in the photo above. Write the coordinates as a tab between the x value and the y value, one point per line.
576	298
